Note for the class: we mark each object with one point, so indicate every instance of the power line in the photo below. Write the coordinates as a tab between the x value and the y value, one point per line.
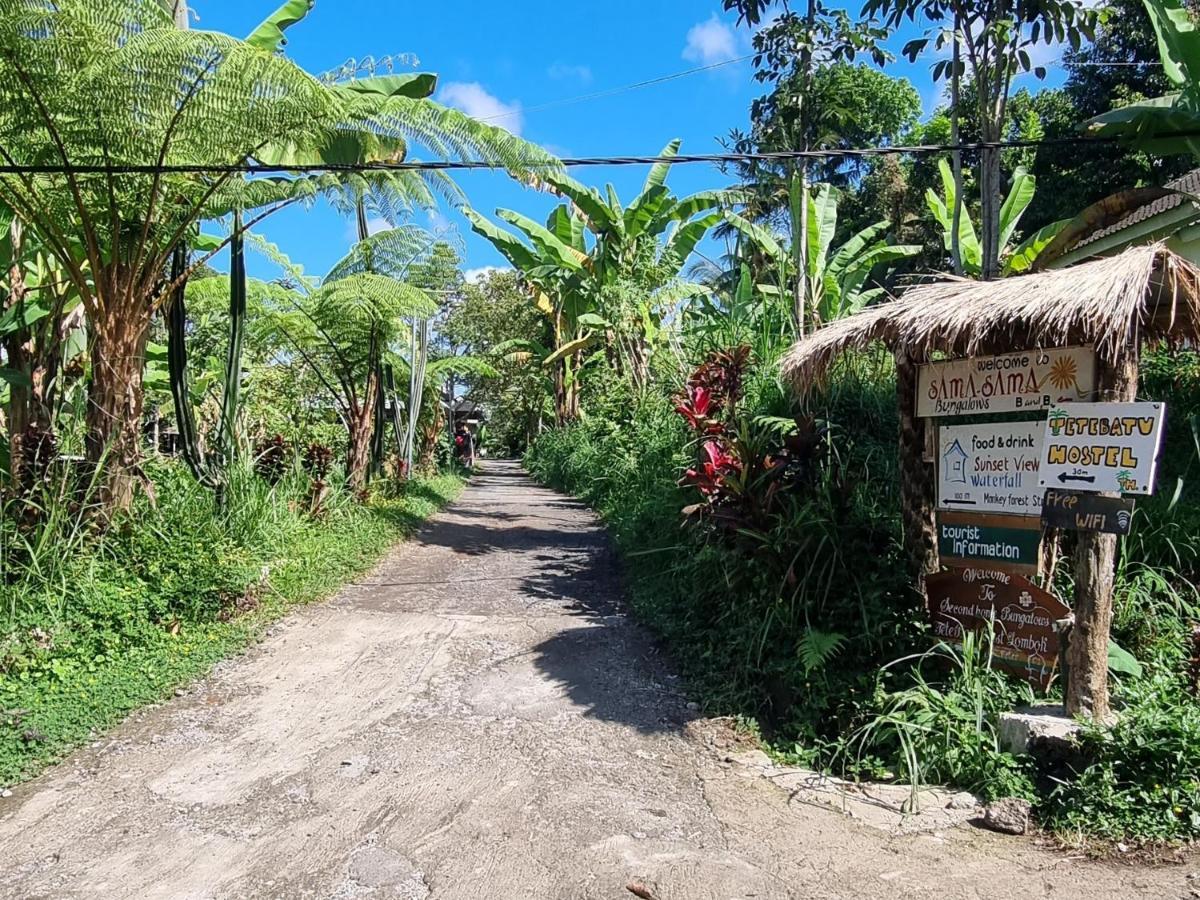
567	162
610	92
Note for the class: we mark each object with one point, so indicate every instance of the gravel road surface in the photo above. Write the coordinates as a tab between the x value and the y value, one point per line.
477	719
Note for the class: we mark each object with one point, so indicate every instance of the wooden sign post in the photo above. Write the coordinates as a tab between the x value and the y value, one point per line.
991	468
1010	543
1102	447
1015	382
1022	616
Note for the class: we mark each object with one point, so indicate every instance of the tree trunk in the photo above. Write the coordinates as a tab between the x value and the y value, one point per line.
956	138
798	206
798	210
362	422
990	203
916	477
116	396
1095	560
560	392
358	453
572	388
17	352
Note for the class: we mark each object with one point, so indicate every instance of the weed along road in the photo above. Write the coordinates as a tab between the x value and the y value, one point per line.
477	719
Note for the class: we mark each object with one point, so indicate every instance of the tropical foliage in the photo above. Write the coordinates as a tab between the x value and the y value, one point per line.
839	279
631	352
118	85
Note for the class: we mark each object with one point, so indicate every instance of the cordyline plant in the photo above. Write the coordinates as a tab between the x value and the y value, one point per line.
91	88
743	466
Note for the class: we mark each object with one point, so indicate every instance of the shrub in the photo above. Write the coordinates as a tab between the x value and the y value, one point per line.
1142	776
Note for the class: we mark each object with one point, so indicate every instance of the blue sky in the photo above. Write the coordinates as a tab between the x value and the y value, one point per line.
504	60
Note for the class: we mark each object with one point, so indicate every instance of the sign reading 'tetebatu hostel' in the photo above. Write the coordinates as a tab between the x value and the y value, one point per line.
1031	379
1102	447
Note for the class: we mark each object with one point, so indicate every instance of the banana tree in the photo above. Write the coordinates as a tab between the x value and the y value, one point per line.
1169	124
41	339
555	269
112	83
1015	260
838	278
640	252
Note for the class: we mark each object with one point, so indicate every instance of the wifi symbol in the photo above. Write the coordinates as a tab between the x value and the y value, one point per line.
1123	517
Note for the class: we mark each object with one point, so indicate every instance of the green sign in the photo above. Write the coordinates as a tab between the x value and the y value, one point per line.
1007	542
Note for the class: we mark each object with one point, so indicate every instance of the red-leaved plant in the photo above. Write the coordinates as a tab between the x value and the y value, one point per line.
711	475
698	406
742	467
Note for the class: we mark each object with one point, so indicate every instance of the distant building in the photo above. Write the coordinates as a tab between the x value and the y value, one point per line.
1173	218
466	412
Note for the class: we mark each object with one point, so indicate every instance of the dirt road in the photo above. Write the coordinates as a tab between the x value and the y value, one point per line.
478	719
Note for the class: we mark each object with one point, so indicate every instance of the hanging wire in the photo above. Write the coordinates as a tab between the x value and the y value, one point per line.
253	168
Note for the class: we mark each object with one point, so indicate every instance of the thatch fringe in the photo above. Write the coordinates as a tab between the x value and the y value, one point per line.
1146	293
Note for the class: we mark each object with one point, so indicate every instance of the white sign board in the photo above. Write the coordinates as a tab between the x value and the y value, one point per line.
1102	447
991	468
1031	379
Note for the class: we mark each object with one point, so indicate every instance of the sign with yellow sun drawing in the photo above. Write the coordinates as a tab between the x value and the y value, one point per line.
1102	447
1014	382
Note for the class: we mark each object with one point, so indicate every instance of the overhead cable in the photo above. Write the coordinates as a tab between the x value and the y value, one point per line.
253	168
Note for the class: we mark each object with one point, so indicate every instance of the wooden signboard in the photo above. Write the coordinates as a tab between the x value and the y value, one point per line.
1021	614
1102	447
991	468
1009	543
1031	379
1077	511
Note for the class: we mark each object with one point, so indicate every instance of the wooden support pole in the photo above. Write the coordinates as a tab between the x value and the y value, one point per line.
1095	563
916	476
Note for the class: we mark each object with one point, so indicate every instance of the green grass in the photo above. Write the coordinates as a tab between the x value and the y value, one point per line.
154	606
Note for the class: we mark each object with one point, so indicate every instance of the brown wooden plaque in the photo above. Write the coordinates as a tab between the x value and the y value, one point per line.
1026	643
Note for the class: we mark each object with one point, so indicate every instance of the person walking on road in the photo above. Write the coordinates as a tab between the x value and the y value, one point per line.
464	446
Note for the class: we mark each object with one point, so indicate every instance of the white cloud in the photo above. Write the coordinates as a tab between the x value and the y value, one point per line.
471	98
374	226
474	276
439	224
710	42
561	71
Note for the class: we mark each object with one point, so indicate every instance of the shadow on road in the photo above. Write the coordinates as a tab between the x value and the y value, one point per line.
548	555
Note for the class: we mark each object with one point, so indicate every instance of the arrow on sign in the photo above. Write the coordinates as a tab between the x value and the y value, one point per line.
1064	478
959	502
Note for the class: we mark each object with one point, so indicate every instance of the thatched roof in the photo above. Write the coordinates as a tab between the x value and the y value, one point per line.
1149	292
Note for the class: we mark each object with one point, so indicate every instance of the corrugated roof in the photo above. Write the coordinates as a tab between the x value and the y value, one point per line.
1189	183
